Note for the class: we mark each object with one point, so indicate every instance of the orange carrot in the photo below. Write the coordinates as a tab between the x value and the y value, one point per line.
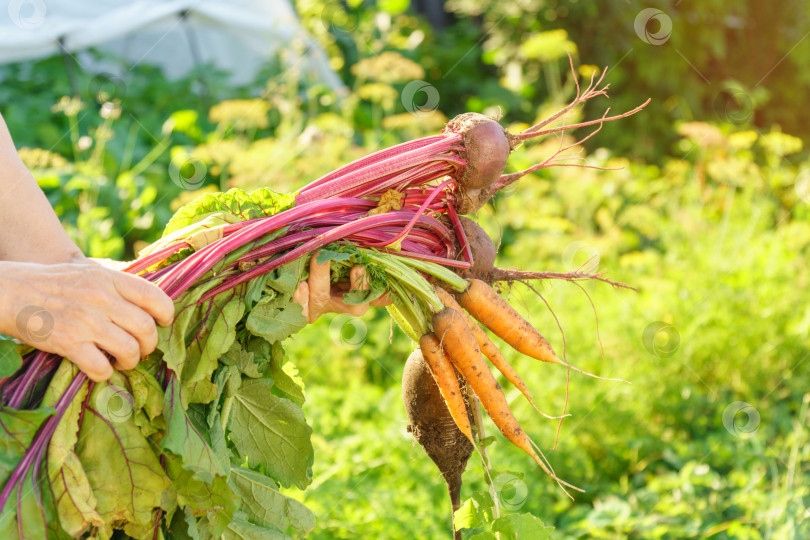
489	349
459	342
495	313
487	306
445	376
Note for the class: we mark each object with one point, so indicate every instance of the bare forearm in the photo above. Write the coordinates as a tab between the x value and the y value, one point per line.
29	229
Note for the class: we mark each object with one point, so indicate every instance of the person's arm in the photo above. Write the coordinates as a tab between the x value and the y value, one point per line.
53	298
29	229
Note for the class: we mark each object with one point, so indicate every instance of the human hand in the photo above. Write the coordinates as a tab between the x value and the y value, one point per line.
80	310
110	263
317	295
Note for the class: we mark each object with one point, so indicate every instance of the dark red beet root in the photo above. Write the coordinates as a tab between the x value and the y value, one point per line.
483	250
487	149
433	427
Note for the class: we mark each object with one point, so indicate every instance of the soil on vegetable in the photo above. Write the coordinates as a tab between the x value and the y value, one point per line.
432	426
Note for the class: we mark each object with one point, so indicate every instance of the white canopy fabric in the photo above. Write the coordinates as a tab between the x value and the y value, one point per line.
237	36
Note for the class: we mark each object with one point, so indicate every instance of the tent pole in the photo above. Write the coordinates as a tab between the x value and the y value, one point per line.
195	56
70	69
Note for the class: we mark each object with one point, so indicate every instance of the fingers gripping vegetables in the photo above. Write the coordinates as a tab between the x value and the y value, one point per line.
212	423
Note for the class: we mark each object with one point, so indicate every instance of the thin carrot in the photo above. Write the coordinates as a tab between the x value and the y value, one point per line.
489	349
459	342
487	306
445	376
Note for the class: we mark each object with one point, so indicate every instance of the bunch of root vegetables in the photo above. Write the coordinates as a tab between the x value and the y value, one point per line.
231	261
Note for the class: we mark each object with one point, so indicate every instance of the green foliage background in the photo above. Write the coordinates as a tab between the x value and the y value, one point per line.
709	216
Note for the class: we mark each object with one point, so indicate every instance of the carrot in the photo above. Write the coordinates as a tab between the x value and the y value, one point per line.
495	313
459	342
445	376
487	306
489	349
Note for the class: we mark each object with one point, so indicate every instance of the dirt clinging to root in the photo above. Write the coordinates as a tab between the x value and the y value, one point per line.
433	427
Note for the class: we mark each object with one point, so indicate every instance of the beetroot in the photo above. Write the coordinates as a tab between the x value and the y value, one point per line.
483	250
487	146
486	149
433	427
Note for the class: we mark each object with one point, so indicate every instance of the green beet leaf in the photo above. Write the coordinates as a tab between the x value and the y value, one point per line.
198	337
214	434
66	434
146	391
214	501
285	279
17	430
183	526
74	498
183	439
276	319
242	360
284	385
37	510
10	358
203	391
484	536
213	338
172	340
474	512
75	501
120	462
520	526
273	432
266	506
327	255
358	297
242	529
261	202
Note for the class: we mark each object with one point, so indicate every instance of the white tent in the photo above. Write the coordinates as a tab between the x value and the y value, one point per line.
237	36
